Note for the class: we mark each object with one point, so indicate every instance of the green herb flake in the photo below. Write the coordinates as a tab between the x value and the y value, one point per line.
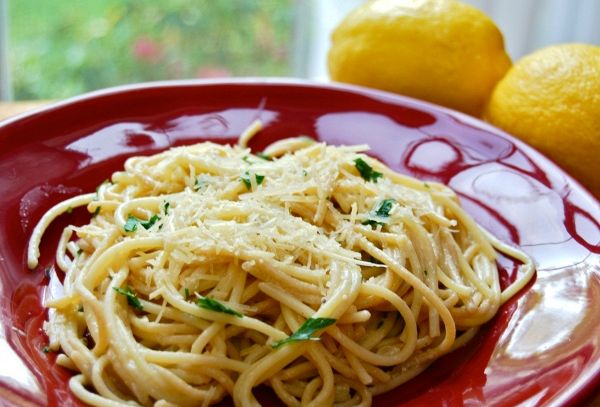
264	156
186	293
384	208
148	224
70	210
305	332
166	207
366	171
79	251
372	222
96	211
199	184
426	185
246	179
46	349
132	222
247	159
382	211
214	305
132	298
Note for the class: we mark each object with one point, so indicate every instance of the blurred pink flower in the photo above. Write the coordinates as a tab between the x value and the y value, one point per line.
212	71
147	50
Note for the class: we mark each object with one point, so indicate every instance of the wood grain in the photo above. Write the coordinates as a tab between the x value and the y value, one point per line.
9	109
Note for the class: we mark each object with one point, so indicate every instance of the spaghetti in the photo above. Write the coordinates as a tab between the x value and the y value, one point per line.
316	270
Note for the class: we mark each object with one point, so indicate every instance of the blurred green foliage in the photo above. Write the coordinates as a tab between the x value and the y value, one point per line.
60	48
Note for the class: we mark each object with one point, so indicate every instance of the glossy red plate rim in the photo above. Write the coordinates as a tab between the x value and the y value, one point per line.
583	391
376	93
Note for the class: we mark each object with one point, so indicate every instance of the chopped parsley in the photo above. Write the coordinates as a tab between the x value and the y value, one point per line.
372	222
366	171
246	179
247	159
382	211
214	305
264	156
148	224
199	184
384	208
166	208
70	210
305	332
79	251
132	298
96	211
186	293
132	222
46	349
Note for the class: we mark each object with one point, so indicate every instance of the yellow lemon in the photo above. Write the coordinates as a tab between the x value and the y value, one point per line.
551	100
443	51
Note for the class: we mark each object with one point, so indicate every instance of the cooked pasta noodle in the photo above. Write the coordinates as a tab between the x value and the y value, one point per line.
207	271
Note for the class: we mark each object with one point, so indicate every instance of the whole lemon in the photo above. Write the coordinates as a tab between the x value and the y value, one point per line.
443	51
551	100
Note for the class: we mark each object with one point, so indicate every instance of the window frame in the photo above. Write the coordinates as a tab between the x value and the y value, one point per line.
5	86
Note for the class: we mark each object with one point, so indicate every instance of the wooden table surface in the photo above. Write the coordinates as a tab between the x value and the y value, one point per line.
8	109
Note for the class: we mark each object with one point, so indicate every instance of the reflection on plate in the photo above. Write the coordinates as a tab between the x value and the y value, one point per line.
542	348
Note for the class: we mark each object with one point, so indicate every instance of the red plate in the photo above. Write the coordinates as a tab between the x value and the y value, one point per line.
542	348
